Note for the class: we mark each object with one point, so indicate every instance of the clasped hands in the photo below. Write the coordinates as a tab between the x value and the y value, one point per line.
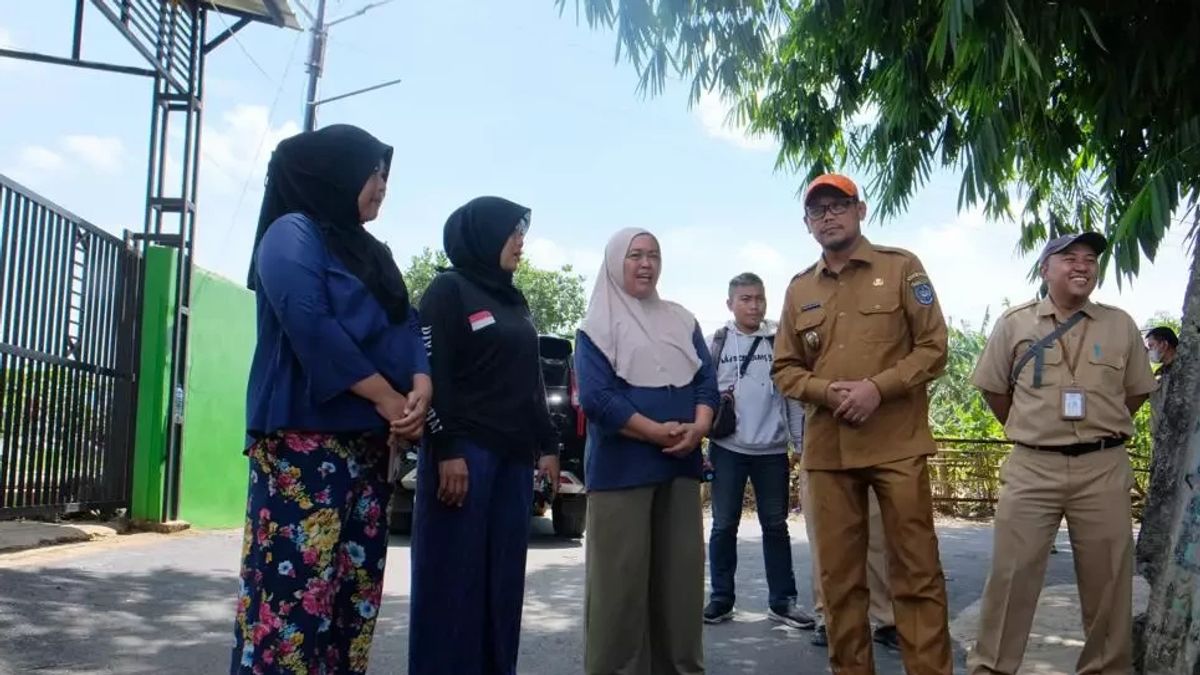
852	402
406	414
678	439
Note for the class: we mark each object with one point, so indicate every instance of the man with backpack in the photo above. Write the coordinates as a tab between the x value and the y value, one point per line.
749	441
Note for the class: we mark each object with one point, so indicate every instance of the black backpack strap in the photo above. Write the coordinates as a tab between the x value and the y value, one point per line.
1036	352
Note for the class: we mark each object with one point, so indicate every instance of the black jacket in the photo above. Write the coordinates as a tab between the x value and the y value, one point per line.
487	375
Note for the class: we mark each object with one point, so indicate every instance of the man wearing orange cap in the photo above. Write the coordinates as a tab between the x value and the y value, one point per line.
860	338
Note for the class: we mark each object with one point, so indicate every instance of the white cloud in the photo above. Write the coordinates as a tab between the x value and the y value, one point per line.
976	267
973	265
714	116
38	163
761	257
548	254
235	149
103	153
39	159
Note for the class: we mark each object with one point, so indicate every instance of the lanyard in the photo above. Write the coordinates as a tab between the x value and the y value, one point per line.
1073	362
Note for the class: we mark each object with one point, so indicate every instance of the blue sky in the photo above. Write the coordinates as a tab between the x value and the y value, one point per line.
502	98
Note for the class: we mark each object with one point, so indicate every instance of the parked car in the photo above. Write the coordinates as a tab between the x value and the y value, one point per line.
568	510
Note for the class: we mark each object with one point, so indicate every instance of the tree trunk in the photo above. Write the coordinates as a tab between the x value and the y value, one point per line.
1172	624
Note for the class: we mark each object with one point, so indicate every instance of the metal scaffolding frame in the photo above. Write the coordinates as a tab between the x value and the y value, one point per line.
170	35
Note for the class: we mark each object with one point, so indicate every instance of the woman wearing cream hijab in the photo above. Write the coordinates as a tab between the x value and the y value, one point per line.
649	390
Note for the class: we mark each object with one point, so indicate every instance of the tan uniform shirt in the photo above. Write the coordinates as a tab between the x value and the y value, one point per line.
877	319
1112	366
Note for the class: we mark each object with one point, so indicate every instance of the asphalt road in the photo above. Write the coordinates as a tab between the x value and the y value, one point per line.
157	604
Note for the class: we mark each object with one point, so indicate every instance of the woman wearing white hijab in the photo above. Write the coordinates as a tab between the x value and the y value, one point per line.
649	390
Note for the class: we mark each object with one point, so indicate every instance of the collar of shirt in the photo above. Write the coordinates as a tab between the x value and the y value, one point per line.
1047	308
1163	369
863	252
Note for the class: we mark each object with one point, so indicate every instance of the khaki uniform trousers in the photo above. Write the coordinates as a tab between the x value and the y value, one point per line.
1037	489
644	605
840	507
880	610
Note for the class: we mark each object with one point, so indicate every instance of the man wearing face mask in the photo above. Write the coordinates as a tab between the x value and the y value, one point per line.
1162	343
1064	375
1153	536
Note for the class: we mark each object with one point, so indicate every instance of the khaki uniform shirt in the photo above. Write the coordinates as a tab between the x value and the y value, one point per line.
1112	366
877	319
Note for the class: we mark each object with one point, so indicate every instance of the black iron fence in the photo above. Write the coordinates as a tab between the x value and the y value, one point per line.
67	349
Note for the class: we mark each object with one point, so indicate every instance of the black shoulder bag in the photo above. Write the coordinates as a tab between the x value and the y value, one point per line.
725	421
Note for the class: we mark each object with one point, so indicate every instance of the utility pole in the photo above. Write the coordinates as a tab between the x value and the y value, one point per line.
316	64
316	58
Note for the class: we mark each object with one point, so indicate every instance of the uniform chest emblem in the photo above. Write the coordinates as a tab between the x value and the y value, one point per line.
481	320
812	340
877	282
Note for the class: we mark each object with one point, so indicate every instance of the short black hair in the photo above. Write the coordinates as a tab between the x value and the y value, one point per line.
745	279
1164	334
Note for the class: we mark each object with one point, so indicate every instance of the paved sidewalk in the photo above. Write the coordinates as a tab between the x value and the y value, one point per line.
16	535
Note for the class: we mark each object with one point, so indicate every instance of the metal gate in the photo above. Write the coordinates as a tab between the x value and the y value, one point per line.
68	294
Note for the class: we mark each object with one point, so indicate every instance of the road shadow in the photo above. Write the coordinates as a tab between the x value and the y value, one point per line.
168	607
65	620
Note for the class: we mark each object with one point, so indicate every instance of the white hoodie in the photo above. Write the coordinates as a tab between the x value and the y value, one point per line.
762	416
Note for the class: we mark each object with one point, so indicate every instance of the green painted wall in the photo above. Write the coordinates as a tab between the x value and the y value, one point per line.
214	473
149	451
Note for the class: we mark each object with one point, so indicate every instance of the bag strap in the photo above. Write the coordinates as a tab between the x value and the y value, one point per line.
1036	352
718	343
750	355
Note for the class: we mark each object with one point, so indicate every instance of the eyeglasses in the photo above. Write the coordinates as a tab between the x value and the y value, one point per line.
817	211
523	225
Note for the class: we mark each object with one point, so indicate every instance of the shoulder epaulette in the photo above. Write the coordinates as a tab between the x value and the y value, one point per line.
894	251
1017	308
805	271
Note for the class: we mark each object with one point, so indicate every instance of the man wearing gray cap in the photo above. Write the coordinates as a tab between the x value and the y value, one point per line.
1064	375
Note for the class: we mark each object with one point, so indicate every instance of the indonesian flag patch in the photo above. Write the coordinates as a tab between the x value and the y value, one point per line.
481	320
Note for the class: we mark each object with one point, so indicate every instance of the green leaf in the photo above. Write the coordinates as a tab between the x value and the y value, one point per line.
1091	24
1012	95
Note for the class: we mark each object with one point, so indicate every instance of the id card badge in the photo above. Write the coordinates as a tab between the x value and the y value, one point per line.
1073	405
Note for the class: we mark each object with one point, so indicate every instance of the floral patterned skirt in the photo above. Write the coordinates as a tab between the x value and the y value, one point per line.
313	554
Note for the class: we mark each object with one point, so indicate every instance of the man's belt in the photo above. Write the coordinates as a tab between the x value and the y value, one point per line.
1076	449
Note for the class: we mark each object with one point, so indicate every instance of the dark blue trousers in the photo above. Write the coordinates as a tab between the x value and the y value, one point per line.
468	568
769	476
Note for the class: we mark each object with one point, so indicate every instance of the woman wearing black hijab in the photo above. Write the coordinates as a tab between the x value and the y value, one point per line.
338	358
487	427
